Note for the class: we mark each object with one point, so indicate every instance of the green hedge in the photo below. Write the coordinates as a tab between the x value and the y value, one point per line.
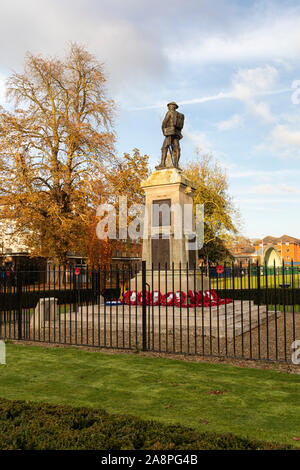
38	426
10	301
271	296
263	296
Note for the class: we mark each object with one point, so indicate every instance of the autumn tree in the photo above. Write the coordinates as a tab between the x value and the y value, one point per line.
124	179
121	178
98	252
53	147
221	218
216	252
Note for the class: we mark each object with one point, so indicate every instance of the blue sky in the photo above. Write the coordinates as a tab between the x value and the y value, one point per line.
232	65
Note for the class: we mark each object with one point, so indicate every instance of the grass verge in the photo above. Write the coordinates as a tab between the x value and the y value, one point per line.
254	404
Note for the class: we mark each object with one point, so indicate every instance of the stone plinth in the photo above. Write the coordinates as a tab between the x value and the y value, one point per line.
46	311
166	242
225	321
167	281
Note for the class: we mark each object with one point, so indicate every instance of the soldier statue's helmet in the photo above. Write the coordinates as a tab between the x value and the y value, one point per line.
172	102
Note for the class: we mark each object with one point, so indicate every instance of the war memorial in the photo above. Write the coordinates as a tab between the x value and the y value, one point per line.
170	304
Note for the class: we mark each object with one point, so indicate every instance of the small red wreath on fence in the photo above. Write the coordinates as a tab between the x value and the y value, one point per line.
220	269
77	271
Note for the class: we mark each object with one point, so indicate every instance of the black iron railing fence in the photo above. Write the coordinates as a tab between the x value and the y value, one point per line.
250	312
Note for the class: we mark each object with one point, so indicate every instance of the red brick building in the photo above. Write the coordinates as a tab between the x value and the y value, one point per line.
287	247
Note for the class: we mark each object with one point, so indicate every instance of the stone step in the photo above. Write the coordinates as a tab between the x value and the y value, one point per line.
234	317
238	327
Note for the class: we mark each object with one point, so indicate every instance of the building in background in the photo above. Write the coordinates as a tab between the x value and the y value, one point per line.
244	252
268	250
14	253
13	250
287	247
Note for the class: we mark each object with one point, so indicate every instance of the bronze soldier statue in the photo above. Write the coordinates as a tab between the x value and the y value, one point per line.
171	127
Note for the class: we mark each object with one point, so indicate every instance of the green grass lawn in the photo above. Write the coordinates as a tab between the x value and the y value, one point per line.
252	282
65	308
260	404
281	308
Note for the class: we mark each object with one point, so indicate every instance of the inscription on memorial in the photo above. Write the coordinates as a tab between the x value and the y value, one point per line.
160	252
161	213
161	217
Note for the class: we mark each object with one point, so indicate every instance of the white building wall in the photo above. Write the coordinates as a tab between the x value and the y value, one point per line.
10	242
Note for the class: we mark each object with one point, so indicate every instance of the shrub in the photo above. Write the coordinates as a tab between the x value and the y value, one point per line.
11	300
263	296
39	426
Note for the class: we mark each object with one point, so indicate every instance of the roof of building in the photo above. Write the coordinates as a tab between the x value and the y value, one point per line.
275	240
245	255
246	249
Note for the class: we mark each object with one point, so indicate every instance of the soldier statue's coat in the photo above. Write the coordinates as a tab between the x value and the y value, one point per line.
171	127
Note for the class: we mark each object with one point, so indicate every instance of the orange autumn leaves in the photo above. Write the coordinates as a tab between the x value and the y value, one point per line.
57	154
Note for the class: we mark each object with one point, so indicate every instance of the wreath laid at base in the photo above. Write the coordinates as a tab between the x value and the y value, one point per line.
205	298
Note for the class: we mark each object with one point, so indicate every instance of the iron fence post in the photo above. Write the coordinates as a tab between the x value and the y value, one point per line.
19	294
258	273
265	290
144	306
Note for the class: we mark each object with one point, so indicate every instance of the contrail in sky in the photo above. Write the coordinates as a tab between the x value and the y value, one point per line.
219	96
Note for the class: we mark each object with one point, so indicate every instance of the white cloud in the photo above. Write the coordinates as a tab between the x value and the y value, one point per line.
265	175
133	57
197	138
267	38
259	203
283	141
262	110
235	121
2	91
249	83
283	136
271	189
